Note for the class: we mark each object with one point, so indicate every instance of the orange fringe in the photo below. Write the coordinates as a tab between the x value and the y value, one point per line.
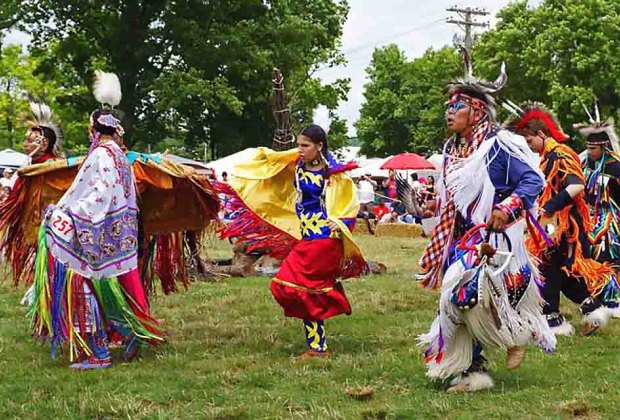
594	273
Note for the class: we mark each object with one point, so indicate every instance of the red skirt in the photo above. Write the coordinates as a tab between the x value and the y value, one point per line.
306	286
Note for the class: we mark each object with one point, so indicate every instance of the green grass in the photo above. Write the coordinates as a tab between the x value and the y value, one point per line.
229	357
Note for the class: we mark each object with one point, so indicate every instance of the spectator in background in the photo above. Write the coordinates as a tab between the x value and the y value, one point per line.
390	186
428	189
415	184
391	217
366	193
225	177
6	191
381	209
6	180
399	207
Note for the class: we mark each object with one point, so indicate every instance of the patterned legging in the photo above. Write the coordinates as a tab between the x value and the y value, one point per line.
315	335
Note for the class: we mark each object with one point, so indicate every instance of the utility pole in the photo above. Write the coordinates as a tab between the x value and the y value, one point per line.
467	22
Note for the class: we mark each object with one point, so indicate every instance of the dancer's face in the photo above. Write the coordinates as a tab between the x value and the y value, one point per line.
33	141
595	152
308	150
457	117
536	141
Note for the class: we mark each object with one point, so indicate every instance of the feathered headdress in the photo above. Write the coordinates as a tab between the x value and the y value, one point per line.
599	132
42	117
530	110
107	89
474	90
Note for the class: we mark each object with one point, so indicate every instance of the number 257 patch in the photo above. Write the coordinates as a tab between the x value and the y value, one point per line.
62	225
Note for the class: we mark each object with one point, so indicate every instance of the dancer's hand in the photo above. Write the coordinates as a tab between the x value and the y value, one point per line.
543	214
487	250
497	221
333	227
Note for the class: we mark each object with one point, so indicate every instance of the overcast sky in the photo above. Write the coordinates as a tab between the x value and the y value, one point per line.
414	25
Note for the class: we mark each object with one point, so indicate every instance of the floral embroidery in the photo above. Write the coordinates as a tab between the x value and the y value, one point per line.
86	237
128	243
108	249
116	228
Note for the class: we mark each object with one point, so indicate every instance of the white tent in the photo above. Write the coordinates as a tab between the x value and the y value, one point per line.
436	160
370	166
12	159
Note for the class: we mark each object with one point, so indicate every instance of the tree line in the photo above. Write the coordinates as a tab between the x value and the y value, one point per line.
195	74
563	53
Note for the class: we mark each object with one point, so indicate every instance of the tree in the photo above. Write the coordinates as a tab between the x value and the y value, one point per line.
9	15
382	127
562	53
338	135
194	70
18	80
404	108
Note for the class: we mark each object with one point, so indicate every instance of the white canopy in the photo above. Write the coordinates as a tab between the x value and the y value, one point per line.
436	160
370	166
12	159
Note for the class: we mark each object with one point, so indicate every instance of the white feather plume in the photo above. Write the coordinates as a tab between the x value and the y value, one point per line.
107	88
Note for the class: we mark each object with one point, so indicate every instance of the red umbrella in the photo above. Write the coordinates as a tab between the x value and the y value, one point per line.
407	161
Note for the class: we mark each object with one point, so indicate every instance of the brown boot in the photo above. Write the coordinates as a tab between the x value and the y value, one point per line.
309	354
514	357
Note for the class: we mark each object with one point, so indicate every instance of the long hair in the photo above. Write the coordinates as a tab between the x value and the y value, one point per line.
317	135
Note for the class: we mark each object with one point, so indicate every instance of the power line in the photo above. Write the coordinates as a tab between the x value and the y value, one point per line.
375	43
389	38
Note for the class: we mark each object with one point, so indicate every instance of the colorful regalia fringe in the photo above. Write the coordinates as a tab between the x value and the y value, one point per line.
164	257
18	252
166	188
170	262
259	235
63	312
604	210
250	229
567	228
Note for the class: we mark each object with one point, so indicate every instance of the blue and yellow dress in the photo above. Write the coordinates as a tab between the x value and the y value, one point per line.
306	284
284	210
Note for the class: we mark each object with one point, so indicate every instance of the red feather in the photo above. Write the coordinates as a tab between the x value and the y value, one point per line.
554	129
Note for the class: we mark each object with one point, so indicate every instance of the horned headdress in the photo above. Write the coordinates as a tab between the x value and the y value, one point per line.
476	92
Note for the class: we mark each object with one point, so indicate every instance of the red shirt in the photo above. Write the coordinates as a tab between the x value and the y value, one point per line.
390	188
380	210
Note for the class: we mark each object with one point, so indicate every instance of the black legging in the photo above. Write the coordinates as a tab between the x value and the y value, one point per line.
557	281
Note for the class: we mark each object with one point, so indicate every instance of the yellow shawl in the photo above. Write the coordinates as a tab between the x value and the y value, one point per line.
265	183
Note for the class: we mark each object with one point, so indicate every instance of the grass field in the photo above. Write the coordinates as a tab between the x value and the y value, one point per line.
230	349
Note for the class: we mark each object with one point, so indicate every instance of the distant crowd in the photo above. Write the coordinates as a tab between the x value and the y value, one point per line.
6	183
396	200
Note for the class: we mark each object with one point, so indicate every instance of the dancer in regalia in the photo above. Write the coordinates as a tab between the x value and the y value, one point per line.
561	243
602	172
176	205
490	295
20	213
87	283
299	205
